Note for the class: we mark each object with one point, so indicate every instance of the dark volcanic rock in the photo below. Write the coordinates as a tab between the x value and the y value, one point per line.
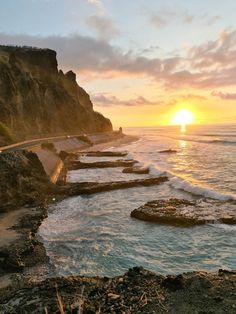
137	291
137	170
104	154
75	165
94	187
26	250
37	100
23	179
168	151
184	213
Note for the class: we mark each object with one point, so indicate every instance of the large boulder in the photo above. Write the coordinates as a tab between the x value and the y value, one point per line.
185	213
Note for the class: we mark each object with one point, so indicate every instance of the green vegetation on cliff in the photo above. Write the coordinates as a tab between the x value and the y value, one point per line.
38	100
6	134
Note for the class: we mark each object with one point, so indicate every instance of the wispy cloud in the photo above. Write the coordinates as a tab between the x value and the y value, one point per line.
224	96
104	100
98	4
103	26
166	15
100	22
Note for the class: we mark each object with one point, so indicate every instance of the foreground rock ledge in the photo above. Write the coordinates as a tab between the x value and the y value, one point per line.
184	213
76	165
71	189
104	154
137	291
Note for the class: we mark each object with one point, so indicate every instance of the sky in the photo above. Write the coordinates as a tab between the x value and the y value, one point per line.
140	60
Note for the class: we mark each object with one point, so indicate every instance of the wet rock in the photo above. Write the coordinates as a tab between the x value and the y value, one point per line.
137	170
184	213
173	283
75	165
104	154
26	250
71	189
168	151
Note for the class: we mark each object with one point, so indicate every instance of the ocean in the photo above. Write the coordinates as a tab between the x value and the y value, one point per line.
95	235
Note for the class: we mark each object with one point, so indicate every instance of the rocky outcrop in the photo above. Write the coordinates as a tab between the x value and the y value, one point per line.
71	189
37	100
168	151
137	170
22	248
23	180
104	154
137	291
184	213
75	165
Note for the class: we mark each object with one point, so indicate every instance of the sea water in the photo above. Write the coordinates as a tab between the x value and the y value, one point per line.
95	235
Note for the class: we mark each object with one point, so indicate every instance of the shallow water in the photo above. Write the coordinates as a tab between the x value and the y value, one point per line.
94	235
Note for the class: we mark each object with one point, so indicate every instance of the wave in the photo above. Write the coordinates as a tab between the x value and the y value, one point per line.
215	141
222	142
179	183
217	135
184	185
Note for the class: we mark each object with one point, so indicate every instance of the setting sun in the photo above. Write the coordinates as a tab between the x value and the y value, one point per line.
182	117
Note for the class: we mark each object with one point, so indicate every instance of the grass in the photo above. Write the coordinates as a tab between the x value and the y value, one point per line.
7	133
60	306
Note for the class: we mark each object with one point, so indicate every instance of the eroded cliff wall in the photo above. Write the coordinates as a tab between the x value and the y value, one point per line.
38	100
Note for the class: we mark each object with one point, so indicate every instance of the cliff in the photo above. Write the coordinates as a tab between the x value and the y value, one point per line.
38	100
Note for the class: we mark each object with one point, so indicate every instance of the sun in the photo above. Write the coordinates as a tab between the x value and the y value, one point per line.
182	117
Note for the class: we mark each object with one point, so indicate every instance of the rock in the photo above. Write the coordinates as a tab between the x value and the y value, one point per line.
136	291
137	170
38	100
168	151
75	165
173	283
23	179
26	250
86	188
104	154
184	213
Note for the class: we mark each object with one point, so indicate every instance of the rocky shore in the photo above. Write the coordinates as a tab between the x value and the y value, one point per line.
137	291
26	191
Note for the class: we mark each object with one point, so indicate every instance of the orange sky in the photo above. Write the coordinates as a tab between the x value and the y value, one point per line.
140	61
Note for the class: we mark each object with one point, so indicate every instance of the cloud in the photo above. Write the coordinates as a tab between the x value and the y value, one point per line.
104	100
224	96
211	65
98	5
85	53
192	97
220	52
103	26
165	16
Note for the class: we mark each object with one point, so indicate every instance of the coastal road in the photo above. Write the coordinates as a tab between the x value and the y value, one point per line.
29	143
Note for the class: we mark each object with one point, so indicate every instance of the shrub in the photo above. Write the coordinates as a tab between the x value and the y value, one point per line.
49	146
7	133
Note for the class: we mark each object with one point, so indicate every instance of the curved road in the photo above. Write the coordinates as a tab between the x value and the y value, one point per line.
29	143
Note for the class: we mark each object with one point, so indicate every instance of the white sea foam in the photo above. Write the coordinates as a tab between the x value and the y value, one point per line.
179	183
184	185
176	181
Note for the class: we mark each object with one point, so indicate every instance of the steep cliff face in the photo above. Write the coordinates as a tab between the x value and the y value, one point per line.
37	100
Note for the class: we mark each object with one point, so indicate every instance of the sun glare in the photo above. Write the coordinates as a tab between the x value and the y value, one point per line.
182	117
